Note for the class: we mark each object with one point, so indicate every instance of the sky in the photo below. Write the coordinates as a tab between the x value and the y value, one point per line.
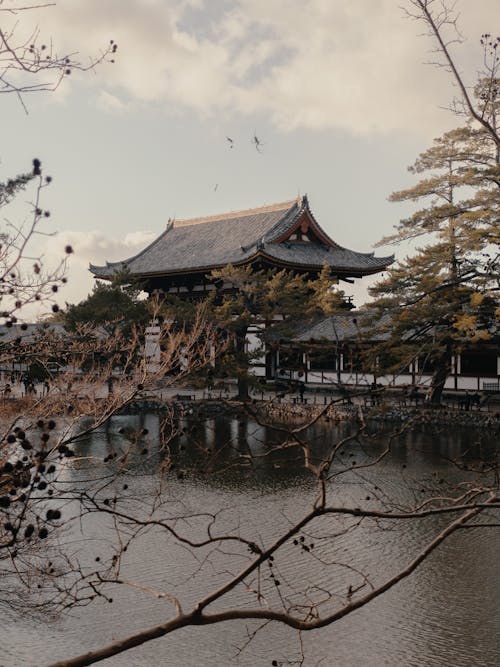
341	95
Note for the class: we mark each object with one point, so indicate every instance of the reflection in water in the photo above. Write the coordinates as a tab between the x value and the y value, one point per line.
445	614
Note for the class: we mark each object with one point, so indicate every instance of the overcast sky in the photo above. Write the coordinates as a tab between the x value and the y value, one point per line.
337	91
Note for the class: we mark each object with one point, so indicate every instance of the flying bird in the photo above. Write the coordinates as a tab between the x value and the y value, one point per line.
230	142
258	143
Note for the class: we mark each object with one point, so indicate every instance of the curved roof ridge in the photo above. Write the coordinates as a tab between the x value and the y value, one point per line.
122	263
231	215
283	225
271	234
327	236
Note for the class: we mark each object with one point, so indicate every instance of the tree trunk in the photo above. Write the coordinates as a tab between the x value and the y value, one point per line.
242	364
243	394
441	373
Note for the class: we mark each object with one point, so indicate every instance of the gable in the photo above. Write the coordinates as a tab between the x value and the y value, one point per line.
305	229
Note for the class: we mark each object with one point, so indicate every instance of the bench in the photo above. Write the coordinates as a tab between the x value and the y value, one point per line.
185	397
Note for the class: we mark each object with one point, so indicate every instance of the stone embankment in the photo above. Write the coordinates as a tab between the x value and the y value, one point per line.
384	413
296	412
437	416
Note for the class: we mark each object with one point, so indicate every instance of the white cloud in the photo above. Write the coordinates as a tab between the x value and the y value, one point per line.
355	66
89	247
96	247
110	103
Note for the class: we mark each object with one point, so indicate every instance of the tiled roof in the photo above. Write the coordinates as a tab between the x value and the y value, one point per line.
340	259
201	244
352	325
28	333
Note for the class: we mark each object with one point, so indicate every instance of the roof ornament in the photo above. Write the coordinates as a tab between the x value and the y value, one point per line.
170	223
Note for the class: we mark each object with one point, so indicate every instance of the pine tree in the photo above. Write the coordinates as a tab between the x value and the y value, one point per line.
444	297
270	302
110	307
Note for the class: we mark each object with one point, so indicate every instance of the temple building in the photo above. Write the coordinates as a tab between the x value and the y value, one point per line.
336	350
284	235
279	236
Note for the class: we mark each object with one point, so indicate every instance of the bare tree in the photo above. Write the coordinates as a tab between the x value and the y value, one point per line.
40	428
24	277
29	62
258	570
441	23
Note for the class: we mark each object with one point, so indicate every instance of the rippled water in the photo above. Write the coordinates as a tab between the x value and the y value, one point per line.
446	614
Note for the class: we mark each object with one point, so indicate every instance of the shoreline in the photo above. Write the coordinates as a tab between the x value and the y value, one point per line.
282	412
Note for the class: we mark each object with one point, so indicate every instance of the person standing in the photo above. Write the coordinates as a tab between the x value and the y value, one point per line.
302	388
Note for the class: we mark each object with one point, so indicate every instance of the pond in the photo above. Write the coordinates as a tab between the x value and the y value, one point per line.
445	614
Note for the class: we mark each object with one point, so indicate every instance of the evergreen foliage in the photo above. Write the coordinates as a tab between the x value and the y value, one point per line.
12	186
110	307
445	296
270	302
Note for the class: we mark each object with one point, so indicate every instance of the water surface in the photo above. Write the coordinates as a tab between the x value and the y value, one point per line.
446	614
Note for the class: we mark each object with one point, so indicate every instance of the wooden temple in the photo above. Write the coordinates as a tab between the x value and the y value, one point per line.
284	235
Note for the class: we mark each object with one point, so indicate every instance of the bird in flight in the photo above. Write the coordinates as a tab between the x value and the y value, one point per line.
230	142
257	143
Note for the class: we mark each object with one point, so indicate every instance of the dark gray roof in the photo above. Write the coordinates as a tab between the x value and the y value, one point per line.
28	333
315	255
347	326
236	238
36	331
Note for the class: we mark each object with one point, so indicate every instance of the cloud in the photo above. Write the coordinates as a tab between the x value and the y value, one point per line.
89	247
329	64
109	102
96	247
